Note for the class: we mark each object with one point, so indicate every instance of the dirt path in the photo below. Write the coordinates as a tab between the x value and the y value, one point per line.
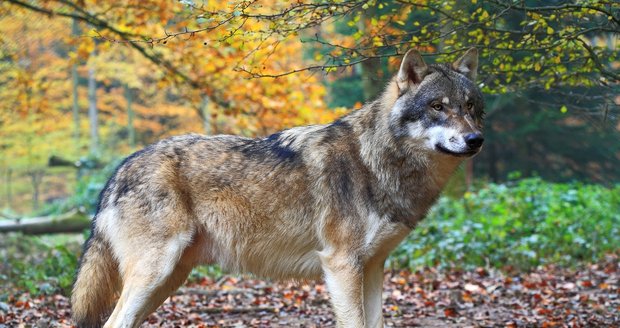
548	297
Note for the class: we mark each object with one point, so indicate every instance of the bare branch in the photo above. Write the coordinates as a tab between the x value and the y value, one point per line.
595	58
522	7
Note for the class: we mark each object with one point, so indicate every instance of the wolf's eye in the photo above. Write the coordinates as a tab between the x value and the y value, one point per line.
470	106
437	107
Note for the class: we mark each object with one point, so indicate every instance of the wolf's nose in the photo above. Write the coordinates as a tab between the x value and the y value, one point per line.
474	140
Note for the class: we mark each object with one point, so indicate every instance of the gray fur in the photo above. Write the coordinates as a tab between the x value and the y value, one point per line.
323	200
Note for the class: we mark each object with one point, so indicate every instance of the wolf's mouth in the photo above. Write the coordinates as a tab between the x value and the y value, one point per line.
445	150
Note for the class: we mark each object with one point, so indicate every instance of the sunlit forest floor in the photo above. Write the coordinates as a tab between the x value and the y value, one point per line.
546	297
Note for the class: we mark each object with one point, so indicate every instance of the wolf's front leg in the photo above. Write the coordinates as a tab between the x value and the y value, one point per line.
373	290
344	279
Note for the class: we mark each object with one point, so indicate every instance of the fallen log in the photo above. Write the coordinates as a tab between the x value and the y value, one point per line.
72	221
78	164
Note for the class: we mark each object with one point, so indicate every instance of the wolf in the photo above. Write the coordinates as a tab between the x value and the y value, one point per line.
320	201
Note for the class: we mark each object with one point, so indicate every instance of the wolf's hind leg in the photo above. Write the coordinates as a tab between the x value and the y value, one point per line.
148	279
174	281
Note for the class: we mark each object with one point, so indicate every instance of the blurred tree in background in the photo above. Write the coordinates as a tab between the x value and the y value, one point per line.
144	70
85	83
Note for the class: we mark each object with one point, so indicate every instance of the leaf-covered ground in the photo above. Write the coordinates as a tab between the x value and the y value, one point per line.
547	297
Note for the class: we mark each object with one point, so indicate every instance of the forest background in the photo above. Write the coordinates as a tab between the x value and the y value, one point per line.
85	83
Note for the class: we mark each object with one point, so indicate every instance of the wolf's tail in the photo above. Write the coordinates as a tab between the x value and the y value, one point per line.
96	284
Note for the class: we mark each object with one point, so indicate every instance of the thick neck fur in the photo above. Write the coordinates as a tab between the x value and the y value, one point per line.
409	177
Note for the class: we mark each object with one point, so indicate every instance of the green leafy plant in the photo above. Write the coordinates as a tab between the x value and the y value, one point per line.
37	267
87	189
521	224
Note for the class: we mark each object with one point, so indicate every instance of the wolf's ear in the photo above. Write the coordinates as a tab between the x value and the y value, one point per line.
468	64
412	69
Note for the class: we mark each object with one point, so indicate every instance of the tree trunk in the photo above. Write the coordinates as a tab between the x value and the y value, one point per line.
492	163
130	117
372	74
372	83
36	176
73	221
9	200
469	173
206	115
75	78
92	112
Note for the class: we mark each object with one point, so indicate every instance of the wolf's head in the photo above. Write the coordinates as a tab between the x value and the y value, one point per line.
439	107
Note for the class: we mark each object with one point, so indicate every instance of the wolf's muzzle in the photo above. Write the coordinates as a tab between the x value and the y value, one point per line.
474	140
